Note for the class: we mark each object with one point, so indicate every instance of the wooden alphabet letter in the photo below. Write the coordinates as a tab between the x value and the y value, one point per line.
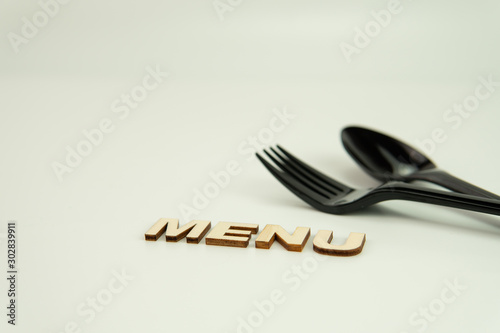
158	229
294	242
352	246
194	231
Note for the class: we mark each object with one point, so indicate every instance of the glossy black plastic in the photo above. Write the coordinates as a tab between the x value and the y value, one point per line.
386	158
331	196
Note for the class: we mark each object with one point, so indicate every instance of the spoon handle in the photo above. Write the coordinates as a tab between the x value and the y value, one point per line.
412	192
453	183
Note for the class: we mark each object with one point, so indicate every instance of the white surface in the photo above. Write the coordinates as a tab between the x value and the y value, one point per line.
226	78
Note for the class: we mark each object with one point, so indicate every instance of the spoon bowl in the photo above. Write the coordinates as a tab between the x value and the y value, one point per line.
386	158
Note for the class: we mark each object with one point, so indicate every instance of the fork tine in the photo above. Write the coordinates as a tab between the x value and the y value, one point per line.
300	190
322	178
321	190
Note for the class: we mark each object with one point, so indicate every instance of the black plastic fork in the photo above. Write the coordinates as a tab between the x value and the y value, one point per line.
330	196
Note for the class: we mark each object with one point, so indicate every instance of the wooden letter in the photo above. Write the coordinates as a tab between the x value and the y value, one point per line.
295	242
231	234
195	230
352	246
158	229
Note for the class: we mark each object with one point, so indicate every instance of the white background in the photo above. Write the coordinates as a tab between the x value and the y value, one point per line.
226	76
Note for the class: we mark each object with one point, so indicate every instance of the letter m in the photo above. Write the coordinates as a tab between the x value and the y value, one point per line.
194	231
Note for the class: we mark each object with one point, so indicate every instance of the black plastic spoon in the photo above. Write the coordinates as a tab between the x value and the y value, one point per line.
386	158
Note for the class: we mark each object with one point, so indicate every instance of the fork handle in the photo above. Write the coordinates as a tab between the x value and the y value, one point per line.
417	193
453	183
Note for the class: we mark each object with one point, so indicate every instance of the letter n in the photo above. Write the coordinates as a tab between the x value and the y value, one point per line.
294	242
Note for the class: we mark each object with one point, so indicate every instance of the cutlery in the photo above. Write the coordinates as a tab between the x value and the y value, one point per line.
331	196
386	158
